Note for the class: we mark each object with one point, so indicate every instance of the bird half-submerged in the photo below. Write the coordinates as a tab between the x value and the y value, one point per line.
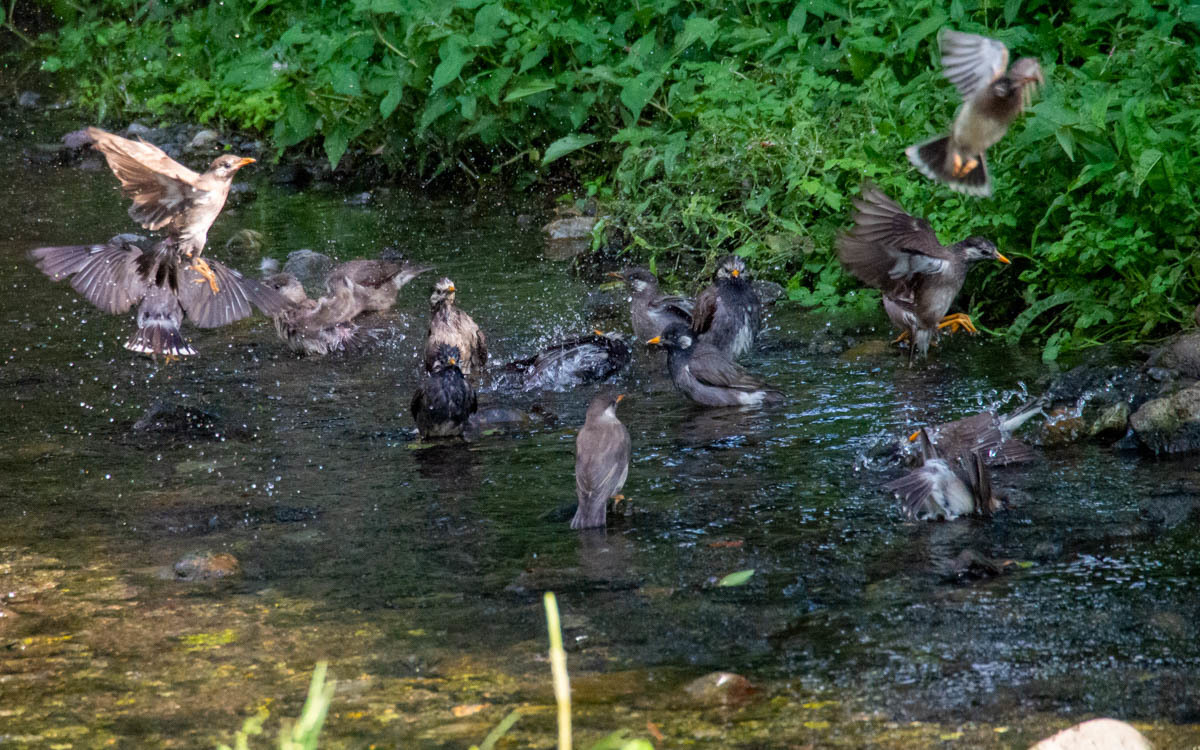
945	488
651	311
993	96
445	400
583	359
900	255
988	433
602	451
707	375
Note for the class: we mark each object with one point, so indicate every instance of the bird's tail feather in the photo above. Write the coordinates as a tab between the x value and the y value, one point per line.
933	159
159	336
591	514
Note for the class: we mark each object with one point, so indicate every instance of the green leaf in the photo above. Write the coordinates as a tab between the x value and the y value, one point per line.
335	145
535	86
1146	161
566	145
636	93
736	579
388	104
454	56
696	28
795	22
1052	347
487	24
914	35
344	80
1027	316
52	64
1011	9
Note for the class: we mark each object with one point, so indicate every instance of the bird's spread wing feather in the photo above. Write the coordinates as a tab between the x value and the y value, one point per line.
887	244
704	309
159	186
971	62
233	302
106	275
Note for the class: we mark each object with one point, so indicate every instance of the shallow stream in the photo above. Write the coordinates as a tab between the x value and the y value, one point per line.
418	573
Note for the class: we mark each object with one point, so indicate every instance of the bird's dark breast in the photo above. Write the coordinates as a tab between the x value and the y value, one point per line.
1005	105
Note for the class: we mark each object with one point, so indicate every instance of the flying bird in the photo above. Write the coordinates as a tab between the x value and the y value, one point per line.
993	95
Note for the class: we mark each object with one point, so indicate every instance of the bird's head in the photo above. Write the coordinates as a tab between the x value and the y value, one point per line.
604	405
288	286
732	267
980	248
447	356
639	279
677	336
223	167
443	291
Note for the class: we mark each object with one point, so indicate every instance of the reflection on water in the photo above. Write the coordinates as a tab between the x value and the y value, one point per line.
418	572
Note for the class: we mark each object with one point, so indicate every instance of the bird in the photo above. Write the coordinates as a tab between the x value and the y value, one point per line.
651	311
374	283
317	326
707	375
450	325
583	359
446	399
946	488
602	450
728	313
988	433
993	95
130	270
900	255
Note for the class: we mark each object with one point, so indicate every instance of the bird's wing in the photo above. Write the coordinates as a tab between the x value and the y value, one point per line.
887	244
601	469
712	367
106	275
681	306
370	273
233	302
159	186
970	61
704	309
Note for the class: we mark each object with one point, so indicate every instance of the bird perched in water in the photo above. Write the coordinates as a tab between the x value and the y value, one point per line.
946	488
374	283
707	375
161	278
728	313
601	461
446	399
129	270
450	325
583	359
651	311
993	95
989	434
900	255
317	326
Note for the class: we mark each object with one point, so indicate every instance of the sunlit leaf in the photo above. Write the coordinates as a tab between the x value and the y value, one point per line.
736	579
566	145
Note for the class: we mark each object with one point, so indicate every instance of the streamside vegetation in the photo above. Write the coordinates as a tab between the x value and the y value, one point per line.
706	128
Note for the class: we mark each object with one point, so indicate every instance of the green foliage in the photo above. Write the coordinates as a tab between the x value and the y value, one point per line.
304	733
718	128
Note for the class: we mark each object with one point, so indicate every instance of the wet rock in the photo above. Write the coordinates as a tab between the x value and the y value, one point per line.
360	199
29	99
567	249
971	565
1097	734
720	689
1113	421
204	140
1063	426
499	417
1170	510
600	304
869	349
308	266
1091	401
206	566
76	139
1181	354
768	291
137	130
570	228
175	418
1170	424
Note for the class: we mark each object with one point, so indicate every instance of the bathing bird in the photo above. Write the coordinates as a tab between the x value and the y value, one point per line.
651	311
946	488
451	326
728	313
707	375
601	461
445	400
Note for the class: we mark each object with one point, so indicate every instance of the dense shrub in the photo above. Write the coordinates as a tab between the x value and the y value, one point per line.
713	127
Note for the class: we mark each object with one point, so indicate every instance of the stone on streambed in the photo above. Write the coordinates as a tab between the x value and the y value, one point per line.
1094	401
206	566
570	228
720	689
1170	424
1097	734
308	266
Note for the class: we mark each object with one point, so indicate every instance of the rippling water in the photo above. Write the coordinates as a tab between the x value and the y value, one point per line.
418	573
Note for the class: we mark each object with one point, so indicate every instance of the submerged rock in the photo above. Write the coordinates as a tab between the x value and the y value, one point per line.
1170	424
720	689
308	266
206	566
1094	401
1097	734
166	417
570	228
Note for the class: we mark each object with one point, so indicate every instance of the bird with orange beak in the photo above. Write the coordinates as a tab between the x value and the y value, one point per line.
899	254
450	326
169	281
728	314
602	450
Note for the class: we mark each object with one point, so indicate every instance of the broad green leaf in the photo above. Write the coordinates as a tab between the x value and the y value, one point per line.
636	93
1146	161
52	64
388	104
487	24
435	108
529	88
1011	9
344	80
566	145
914	35
696	28
736	579
795	22
454	56
335	145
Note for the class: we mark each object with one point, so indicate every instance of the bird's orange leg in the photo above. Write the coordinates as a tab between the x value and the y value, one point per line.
200	266
617	500
958	321
902	337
